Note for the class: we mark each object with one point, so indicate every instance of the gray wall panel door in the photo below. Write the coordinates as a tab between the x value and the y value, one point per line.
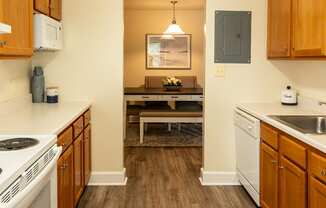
232	37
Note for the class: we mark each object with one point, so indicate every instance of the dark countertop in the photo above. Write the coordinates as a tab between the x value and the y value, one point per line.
162	91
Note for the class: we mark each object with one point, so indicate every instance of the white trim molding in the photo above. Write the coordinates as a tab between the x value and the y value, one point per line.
117	178
210	178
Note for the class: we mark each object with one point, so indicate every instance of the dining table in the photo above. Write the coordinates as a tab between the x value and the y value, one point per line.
158	94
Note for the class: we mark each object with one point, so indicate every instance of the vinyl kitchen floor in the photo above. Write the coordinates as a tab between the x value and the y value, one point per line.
164	178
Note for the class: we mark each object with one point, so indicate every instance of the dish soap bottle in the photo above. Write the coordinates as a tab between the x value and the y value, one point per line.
289	96
38	85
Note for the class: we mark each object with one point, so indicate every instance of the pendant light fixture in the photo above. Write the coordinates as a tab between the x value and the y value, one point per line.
173	28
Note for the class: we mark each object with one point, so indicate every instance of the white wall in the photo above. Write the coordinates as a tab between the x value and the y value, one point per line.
259	81
91	66
309	76
14	78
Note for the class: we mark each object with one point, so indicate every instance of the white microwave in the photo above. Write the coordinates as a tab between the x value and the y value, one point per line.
47	33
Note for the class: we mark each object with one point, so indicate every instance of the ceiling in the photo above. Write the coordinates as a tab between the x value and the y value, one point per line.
163	4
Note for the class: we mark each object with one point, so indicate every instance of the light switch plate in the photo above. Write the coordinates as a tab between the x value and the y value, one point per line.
220	71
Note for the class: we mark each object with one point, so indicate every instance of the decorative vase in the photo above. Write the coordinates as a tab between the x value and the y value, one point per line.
172	87
38	85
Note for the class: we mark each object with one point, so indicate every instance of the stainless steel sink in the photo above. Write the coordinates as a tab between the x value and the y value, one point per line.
304	124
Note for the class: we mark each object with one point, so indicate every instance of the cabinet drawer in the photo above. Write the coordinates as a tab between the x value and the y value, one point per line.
65	139
269	135
197	97
176	97
318	166
87	117
78	126
142	97
293	151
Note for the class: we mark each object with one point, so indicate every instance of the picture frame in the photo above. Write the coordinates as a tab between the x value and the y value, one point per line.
168	51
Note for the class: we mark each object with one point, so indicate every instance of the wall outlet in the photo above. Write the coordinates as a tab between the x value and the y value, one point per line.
220	71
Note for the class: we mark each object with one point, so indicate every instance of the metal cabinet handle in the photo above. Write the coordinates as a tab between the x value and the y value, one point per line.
145	97
174	96
274	161
62	167
323	172
281	167
3	43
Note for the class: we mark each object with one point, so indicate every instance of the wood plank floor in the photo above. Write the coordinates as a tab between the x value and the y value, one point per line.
164	178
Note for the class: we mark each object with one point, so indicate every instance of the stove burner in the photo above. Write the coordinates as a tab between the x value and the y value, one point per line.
17	144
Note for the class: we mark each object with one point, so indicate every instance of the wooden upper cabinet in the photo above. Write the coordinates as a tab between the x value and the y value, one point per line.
279	28
317	193
42	6
66	179
309	28
268	177
56	9
51	8
18	14
292	185
296	29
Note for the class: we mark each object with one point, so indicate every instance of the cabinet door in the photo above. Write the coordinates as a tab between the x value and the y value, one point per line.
309	33
87	154
279	28
65	179
56	9
18	14
268	177
42	6
317	193
292	185
78	171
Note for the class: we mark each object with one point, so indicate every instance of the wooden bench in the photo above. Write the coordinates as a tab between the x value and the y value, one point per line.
167	117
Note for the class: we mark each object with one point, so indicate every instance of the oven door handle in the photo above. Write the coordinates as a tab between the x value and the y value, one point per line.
29	193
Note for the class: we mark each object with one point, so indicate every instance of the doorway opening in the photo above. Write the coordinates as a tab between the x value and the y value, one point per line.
164	78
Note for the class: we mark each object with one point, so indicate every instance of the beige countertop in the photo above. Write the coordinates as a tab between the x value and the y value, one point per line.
24	118
262	111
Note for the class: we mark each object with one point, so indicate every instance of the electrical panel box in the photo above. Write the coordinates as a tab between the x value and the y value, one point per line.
232	37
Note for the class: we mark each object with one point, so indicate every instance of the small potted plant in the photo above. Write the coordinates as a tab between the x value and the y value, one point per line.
172	84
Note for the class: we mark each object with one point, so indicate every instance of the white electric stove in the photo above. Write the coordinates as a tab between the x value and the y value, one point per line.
28	177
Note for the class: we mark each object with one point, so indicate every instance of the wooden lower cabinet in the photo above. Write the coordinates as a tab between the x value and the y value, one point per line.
78	170
317	193
87	154
66	179
292	185
294	176
269	177
74	165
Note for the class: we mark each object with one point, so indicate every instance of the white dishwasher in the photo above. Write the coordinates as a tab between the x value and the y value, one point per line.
247	136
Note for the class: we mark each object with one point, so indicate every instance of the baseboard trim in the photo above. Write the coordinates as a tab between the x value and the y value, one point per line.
210	178
117	178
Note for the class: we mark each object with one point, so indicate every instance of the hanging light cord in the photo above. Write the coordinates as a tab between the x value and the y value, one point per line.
174	21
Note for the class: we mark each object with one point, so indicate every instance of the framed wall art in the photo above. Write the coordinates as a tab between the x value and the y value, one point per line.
168	51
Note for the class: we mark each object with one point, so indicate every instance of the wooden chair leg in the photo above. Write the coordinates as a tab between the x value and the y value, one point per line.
141	131
169	127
